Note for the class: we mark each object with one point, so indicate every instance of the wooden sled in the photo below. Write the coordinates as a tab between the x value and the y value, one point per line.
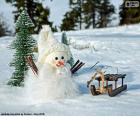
103	86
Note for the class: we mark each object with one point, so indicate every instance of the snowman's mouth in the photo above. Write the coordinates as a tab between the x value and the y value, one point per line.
60	64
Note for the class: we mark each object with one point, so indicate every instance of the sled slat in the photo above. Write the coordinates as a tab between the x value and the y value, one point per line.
117	91
112	77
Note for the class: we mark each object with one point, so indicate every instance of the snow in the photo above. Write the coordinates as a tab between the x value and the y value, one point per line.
115	48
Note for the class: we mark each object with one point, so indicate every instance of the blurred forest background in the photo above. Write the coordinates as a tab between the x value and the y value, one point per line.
82	14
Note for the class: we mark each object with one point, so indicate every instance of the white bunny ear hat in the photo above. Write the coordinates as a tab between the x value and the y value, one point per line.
47	44
45	40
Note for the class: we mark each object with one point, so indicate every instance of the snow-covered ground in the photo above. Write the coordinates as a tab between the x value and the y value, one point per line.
115	48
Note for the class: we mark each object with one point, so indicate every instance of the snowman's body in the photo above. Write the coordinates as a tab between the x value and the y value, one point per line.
54	79
51	84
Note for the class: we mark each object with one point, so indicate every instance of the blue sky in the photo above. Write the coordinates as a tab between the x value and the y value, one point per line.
58	9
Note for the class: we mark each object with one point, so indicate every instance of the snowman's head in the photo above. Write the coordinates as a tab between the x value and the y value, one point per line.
57	59
57	55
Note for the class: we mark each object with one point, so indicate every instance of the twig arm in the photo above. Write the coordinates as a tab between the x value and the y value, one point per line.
31	63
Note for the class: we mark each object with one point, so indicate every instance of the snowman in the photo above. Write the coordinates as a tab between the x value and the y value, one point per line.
54	79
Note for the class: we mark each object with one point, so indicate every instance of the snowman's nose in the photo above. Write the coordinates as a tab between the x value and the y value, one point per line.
60	63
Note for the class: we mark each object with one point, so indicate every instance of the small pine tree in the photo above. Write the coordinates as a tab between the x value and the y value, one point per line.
3	27
23	45
71	61
65	41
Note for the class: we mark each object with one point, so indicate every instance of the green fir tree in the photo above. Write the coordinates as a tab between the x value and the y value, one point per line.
38	14
129	15
90	8
23	45
87	14
72	19
106	10
3	27
64	38
76	6
71	61
65	41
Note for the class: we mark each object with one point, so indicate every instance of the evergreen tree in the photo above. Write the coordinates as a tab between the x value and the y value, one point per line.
70	21
23	45
76	6
129	15
73	18
88	13
90	8
64	38
106	9
3	28
37	13
71	61
65	41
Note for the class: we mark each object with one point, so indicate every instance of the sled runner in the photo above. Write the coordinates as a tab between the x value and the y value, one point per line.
104	87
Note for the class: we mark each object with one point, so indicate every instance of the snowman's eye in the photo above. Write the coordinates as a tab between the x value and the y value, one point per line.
56	58
62	57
